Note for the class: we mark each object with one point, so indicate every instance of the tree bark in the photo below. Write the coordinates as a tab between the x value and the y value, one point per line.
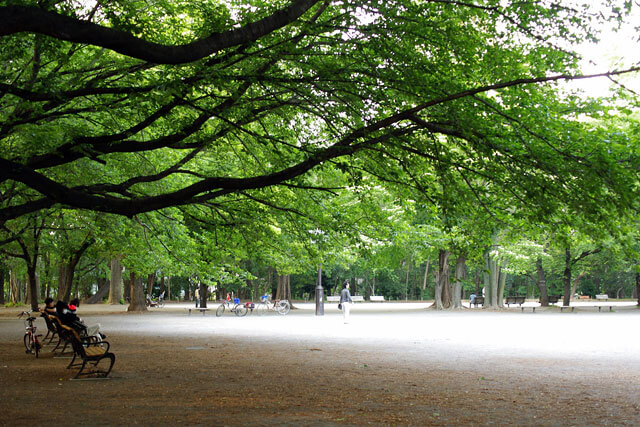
14	287
502	280
15	19
461	274
486	277
542	284
574	286
442	288
115	284
32	287
103	291
136	294
204	290
284	288
566	277
151	280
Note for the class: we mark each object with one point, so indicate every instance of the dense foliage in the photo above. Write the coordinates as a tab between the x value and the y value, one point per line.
225	140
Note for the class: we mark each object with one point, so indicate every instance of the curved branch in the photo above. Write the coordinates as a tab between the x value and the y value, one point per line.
17	19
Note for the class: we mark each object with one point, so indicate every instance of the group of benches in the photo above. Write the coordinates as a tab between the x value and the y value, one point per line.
552	299
85	351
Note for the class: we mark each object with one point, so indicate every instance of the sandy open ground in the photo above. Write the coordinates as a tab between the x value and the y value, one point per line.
392	364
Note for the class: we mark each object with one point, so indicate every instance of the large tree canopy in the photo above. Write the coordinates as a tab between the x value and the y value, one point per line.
129	107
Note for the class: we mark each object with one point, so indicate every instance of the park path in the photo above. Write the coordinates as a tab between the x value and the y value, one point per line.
390	365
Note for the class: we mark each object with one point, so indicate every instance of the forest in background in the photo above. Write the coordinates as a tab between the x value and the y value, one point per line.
421	149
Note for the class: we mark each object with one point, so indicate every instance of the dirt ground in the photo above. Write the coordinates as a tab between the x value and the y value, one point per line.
203	370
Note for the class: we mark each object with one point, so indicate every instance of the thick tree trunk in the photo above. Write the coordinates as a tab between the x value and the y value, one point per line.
103	291
502	280
204	290
32	287
486	277
443	287
14	287
151	280
284	288
574	286
127	285
542	284
136	294
566	277
115	284
64	290
596	282
461	274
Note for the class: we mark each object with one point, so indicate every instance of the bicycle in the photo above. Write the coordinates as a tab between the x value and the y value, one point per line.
31	342
239	309
281	306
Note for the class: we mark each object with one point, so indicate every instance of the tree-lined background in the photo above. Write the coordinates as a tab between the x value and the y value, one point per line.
421	149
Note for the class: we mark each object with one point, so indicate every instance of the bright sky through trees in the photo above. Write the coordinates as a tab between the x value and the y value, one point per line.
617	49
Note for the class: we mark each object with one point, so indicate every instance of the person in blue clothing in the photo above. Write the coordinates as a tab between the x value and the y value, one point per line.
345	301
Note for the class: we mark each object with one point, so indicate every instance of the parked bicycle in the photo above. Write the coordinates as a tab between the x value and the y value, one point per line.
31	342
282	306
233	306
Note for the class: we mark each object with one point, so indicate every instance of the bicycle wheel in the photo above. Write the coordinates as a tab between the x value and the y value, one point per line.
283	307
28	343
261	308
220	310
241	310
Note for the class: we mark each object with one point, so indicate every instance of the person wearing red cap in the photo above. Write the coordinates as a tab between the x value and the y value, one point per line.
67	315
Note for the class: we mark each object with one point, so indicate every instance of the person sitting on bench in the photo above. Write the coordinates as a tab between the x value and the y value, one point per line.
67	315
49	307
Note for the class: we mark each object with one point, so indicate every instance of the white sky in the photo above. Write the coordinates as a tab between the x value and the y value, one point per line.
616	50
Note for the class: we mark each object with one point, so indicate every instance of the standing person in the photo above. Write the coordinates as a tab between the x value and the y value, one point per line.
345	301
197	294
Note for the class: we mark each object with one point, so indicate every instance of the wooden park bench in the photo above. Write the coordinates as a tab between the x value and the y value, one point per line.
333	298
202	310
604	297
87	353
476	301
52	329
514	300
357	298
378	298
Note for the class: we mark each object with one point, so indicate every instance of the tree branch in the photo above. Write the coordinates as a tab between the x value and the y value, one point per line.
17	19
